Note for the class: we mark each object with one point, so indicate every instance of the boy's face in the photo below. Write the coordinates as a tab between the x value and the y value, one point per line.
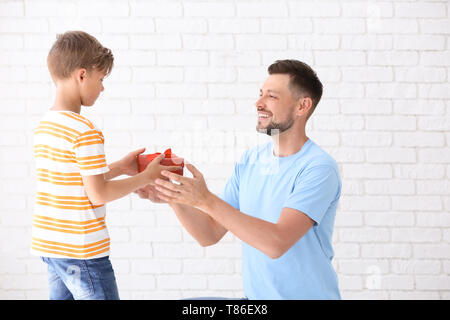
91	86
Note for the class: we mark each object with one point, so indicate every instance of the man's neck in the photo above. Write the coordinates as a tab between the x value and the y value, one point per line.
289	142
66	99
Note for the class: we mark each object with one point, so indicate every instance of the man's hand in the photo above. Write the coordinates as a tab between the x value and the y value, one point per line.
190	191
149	192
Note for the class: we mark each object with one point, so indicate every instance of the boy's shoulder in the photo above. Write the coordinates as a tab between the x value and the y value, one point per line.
71	120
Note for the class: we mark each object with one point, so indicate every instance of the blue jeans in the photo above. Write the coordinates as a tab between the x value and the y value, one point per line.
74	279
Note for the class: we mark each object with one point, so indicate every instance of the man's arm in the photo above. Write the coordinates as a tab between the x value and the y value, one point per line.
274	239
200	225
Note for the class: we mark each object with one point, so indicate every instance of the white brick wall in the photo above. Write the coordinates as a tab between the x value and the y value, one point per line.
186	76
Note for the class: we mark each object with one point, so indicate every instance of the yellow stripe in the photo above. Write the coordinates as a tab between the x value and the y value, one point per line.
73	136
93	167
56	202
93	244
38	155
71	255
71	221
86	163
83	208
62	197
44	146
57	178
55	135
100	156
61	183
88	143
53	154
81	119
76	251
66	228
56	173
62	127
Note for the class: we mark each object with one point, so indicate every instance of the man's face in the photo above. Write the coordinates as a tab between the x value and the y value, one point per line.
92	87
276	105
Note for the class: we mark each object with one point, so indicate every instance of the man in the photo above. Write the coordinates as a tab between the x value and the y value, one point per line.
280	201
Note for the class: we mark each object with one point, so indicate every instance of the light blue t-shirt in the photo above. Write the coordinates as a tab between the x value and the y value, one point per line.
261	186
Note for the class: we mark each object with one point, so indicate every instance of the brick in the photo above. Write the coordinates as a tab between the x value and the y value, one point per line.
419	139
416	266
376	171
286	25
437	58
434	123
432	251
419	42
389	219
366	42
391	250
419	171
208	266
420	74
416	235
434	155
165	9
432	219
400	123
260	42
157	266
393	26
234	25
394	187
392	58
440	282
153	42
128	25
365	203
258	10
182	58
181	282
157	74
420	10
224	282
433	91
202	9
339	26
364	234
314	9
181	25
392	154
367	10
366	139
367	74
340	58
420	107
406	203
181	90
435	26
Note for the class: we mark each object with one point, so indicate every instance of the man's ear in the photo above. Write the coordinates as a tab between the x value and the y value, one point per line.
303	106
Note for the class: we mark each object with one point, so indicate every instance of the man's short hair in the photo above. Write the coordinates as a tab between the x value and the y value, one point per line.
78	49
303	79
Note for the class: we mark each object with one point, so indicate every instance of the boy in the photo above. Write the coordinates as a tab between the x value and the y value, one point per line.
69	230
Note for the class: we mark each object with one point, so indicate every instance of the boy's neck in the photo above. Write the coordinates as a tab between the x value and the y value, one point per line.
67	98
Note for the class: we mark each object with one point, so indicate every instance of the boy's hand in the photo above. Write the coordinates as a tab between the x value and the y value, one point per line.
128	164
154	168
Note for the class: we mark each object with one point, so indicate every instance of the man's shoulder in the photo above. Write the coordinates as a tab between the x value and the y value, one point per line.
317	157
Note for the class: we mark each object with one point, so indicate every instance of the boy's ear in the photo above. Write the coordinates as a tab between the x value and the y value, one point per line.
80	74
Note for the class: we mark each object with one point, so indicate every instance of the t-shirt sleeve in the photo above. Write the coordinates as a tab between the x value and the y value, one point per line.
90	153
314	191
230	193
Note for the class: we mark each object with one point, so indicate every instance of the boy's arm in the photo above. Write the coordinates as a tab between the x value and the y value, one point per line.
100	190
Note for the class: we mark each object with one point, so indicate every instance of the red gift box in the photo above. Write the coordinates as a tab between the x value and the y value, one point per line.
169	159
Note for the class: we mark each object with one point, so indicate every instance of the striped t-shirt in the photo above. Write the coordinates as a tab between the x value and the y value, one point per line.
65	223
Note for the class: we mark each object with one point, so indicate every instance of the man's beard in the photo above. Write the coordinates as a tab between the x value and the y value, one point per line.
274	128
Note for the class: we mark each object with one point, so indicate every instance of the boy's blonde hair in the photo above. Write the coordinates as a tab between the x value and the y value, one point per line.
78	49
